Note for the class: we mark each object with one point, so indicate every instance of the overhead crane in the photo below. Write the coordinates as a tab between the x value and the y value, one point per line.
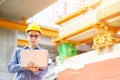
91	27
89	24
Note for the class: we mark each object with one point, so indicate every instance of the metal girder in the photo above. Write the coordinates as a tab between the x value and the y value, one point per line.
22	27
21	42
58	39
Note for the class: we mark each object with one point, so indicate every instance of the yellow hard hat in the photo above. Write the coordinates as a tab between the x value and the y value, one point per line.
33	27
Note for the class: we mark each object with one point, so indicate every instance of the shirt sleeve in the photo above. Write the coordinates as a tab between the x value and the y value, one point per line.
14	65
41	72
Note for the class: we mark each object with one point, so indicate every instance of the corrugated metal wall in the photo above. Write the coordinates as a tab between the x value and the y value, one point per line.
8	42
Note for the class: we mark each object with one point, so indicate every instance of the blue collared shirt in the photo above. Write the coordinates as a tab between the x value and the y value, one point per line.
14	67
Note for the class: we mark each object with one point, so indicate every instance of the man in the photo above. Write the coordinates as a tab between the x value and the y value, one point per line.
32	72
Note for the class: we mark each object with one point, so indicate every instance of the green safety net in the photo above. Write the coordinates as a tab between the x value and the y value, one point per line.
66	50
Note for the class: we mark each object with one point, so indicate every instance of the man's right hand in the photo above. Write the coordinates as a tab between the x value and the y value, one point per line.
31	66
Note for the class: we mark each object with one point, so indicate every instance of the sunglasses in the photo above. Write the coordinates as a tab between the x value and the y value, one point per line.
35	36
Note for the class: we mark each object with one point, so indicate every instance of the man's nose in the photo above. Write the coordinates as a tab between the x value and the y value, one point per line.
33	37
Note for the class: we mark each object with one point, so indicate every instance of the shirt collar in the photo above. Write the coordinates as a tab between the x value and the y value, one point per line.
26	47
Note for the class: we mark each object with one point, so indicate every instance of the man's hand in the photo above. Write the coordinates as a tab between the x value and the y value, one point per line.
31	66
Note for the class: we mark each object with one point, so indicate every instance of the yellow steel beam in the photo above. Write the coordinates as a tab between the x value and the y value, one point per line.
22	27
78	12
21	42
70	16
57	40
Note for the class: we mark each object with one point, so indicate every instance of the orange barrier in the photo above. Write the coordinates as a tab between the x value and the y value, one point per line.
103	70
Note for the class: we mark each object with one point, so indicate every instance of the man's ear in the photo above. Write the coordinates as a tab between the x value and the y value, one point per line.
40	36
26	36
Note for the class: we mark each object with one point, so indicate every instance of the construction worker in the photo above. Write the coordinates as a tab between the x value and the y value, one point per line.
32	72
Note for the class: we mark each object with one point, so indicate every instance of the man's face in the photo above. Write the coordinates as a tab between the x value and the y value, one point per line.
33	38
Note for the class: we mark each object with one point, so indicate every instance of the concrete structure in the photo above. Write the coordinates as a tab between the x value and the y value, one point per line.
8	41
